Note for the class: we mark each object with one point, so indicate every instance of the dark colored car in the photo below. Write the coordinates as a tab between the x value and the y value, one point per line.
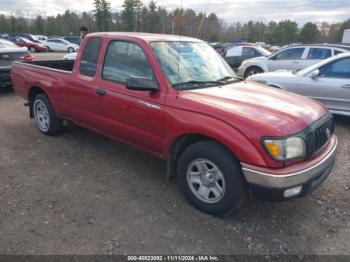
32	46
73	39
236	54
219	47
9	53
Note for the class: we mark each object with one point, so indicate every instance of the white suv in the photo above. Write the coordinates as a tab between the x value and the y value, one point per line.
294	57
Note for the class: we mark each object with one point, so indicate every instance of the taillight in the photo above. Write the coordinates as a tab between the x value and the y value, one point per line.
28	57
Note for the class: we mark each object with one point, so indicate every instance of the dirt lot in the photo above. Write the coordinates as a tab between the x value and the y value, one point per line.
81	193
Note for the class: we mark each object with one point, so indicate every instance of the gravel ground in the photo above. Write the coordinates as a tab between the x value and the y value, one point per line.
81	193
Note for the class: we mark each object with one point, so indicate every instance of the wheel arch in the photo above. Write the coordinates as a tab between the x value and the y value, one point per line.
183	141
33	92
254	66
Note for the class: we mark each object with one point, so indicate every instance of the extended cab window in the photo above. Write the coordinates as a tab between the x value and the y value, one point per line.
319	53
124	59
89	58
337	69
290	54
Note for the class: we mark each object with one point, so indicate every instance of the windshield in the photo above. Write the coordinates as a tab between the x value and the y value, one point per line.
191	63
264	51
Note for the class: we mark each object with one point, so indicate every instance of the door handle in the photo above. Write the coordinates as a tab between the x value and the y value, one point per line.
346	86
100	92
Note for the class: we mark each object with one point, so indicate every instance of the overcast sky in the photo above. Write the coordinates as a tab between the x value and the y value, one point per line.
300	11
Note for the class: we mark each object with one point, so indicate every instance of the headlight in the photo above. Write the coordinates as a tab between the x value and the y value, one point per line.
286	148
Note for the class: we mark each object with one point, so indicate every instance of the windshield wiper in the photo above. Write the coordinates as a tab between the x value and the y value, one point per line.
198	83
226	78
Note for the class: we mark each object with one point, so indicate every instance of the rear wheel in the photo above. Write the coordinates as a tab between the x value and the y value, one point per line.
48	49
211	178
45	117
253	71
70	50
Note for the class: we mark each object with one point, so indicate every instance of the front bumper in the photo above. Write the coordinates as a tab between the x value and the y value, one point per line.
272	184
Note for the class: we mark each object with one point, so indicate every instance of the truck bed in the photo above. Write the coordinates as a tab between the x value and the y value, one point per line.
64	65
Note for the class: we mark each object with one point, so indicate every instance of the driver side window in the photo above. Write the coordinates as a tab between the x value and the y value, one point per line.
337	69
290	54
124	59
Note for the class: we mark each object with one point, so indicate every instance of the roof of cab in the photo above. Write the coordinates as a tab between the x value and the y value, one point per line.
148	37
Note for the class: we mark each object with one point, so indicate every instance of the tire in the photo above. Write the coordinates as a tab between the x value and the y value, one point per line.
253	71
226	188
70	50
32	49
45	117
48	49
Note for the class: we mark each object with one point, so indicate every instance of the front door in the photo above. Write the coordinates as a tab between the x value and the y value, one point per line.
289	59
135	117
332	87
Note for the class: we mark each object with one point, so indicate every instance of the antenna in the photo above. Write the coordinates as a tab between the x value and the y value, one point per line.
179	47
202	20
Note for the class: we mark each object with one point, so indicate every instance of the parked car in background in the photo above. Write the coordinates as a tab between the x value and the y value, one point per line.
219	47
294	57
10	37
73	39
29	37
41	38
32	46
223	137
327	81
235	55
70	56
60	45
9	52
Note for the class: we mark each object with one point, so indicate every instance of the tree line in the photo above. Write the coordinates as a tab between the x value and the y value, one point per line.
138	16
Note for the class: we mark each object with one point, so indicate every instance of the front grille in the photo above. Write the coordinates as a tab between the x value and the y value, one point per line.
317	139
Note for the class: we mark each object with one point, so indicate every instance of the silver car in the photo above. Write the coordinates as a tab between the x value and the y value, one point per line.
295	57
327	81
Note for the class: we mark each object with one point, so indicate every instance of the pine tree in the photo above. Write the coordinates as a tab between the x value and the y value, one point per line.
153	17
102	13
131	13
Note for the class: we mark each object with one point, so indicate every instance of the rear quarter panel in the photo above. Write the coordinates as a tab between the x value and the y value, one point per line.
51	81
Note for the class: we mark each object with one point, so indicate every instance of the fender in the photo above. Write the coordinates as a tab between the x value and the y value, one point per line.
195	123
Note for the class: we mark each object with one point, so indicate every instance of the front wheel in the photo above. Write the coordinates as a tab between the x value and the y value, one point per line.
211	178
32	49
45	117
253	71
70	50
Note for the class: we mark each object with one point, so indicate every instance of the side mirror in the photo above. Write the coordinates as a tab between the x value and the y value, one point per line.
314	74
141	83
272	57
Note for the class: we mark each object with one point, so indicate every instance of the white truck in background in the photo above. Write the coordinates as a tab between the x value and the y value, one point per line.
346	36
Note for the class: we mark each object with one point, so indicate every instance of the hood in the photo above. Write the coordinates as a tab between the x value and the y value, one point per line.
255	109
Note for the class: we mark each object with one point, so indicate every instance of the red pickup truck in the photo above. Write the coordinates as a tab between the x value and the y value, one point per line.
222	137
